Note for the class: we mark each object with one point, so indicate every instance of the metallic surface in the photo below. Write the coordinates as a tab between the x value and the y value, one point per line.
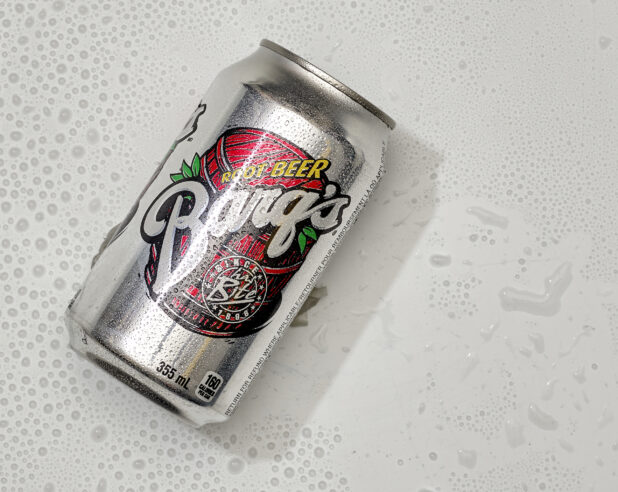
355	96
115	322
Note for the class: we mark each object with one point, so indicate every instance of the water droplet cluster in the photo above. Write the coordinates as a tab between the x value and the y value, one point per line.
454	297
539	471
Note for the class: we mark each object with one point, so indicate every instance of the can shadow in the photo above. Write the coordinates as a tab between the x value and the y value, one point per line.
299	373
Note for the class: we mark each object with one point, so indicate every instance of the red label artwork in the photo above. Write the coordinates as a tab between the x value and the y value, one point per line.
232	229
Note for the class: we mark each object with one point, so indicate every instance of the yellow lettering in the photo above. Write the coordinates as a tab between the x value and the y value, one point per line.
245	173
261	168
304	167
320	165
225	177
236	172
292	166
278	168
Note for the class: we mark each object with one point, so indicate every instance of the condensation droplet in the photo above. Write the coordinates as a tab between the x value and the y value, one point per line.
99	433
580	375
94	205
102	485
318	339
471	361
236	465
21	225
514	432
467	458
537	341
606	418
92	136
487	332
545	304
64	116
78	151
548	390
541	419
604	42
489	218
440	260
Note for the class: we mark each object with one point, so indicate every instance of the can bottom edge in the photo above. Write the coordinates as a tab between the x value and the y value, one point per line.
91	349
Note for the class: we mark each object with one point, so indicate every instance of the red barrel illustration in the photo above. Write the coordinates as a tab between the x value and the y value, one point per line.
238	288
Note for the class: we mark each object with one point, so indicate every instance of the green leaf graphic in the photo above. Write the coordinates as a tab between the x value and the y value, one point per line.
188	197
176	177
302	242
186	170
195	166
310	231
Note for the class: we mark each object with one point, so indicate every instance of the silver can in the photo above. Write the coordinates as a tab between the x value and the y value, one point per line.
189	294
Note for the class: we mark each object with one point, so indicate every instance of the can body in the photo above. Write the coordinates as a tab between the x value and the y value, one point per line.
191	291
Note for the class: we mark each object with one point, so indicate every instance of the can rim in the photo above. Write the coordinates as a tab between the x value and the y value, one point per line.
355	96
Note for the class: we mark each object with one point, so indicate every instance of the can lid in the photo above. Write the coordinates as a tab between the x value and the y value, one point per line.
355	96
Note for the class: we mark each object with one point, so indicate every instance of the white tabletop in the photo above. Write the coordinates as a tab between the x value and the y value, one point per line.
469	337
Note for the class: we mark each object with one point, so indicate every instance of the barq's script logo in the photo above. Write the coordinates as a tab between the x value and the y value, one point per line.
263	214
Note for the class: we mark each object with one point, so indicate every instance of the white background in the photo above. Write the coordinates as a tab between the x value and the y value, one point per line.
414	374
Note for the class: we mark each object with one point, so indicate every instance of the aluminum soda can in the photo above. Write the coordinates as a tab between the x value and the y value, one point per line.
190	292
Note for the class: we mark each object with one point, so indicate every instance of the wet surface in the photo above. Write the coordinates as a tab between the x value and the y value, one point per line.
466	335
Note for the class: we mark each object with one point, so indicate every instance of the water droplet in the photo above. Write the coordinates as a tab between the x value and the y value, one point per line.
545	304
439	260
470	363
78	152
236	465
537	341
586	331
99	433
487	332
102	485
604	42
541	419
22	225
489	218
606	418
92	136
567	446
467	458
94	205
548	390
40	244
64	116
580	374
514	432
318	339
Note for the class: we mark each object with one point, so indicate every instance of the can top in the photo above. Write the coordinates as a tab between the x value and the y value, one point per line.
355	96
